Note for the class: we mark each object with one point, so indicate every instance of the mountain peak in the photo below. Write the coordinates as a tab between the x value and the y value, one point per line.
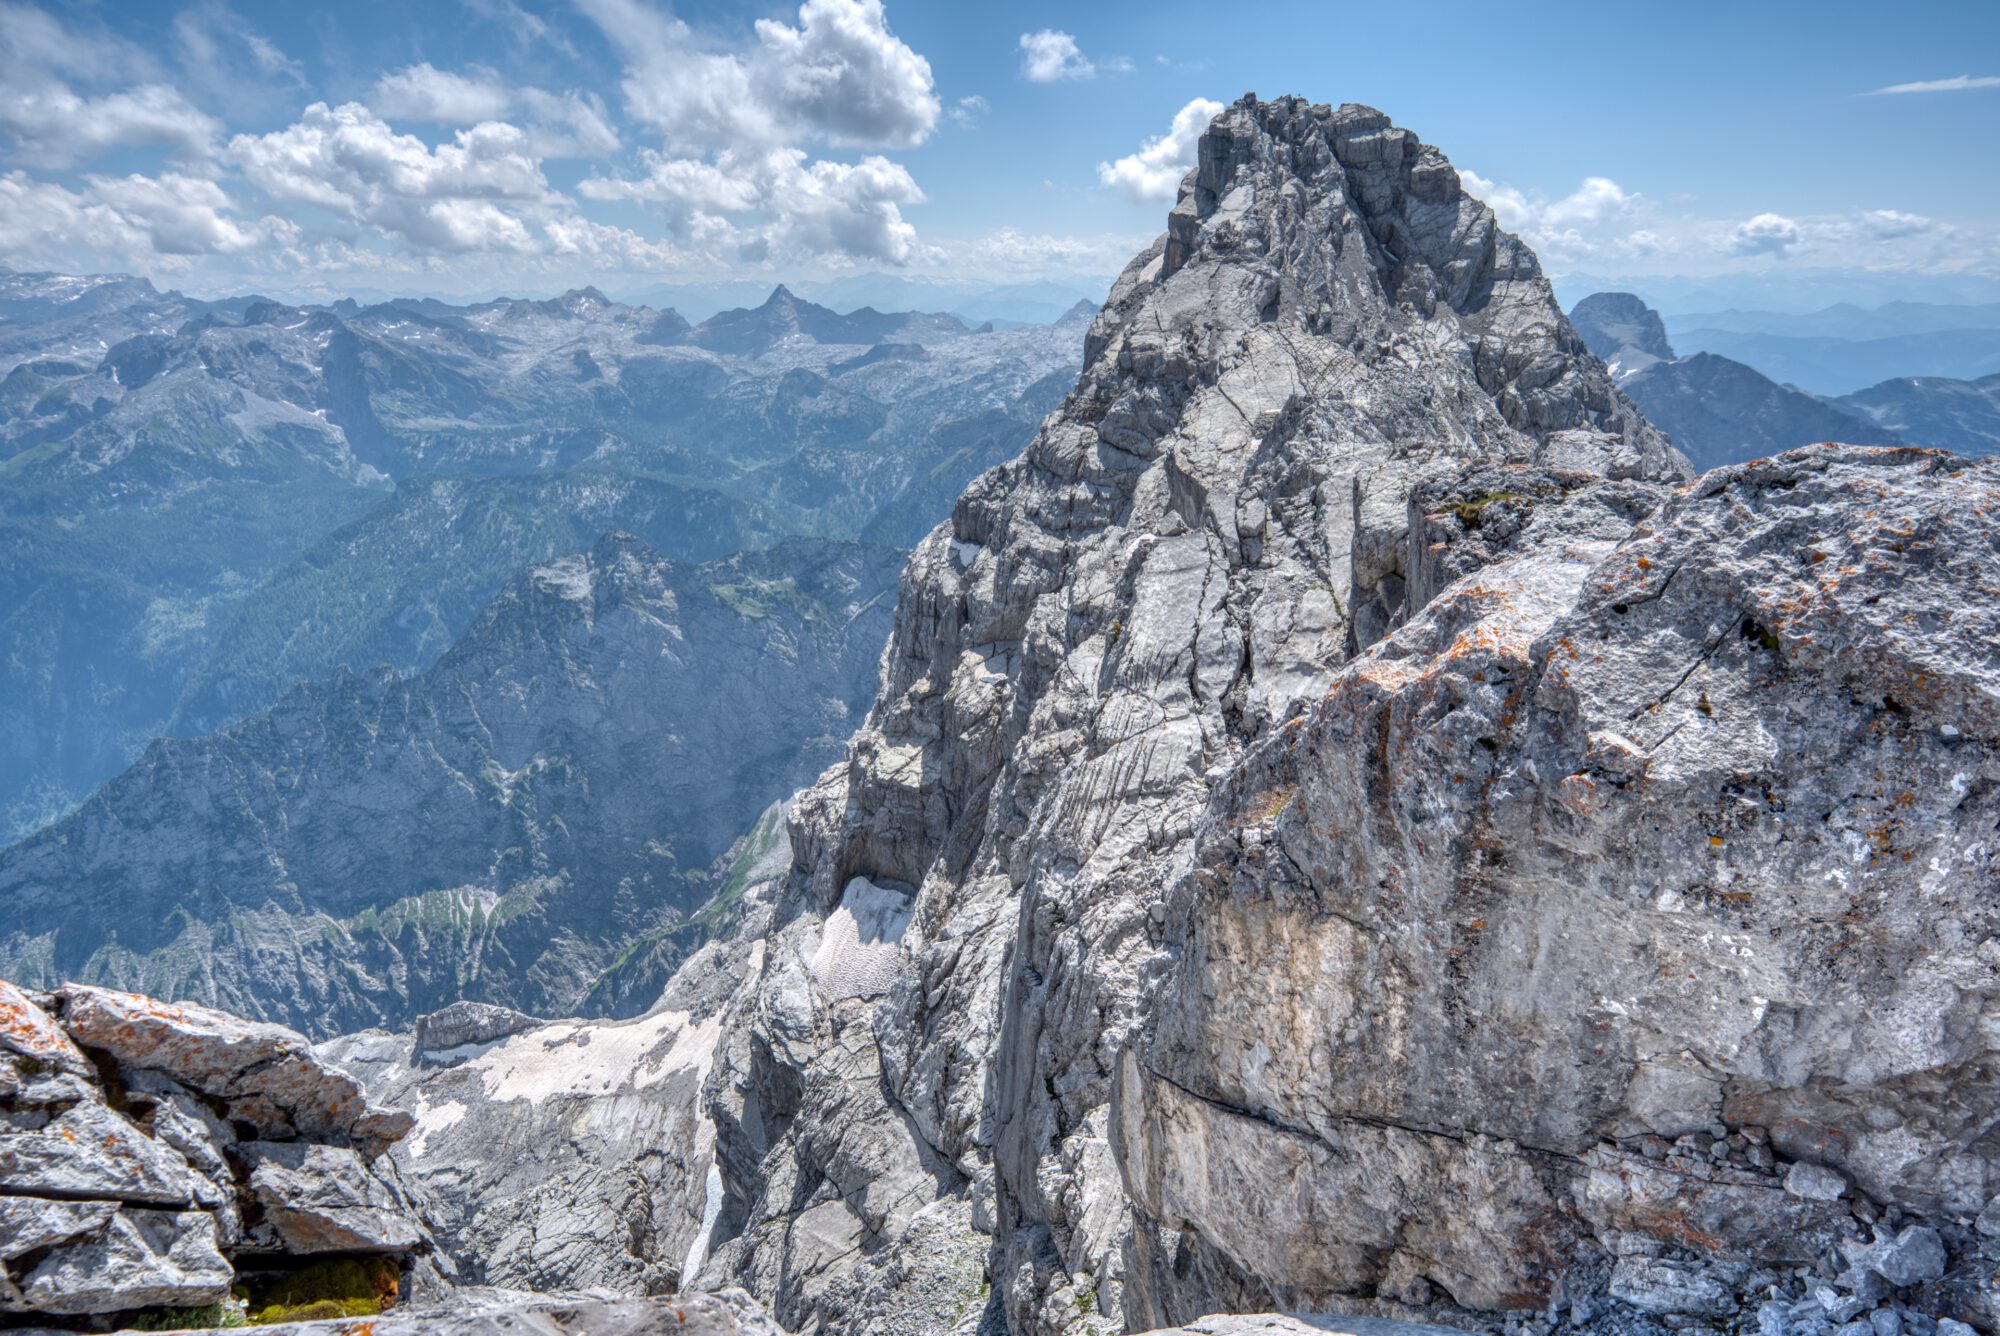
1620	328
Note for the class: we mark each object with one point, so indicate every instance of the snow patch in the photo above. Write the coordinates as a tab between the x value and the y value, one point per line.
711	1212
595	1058
965	552
430	1120
861	948
568	576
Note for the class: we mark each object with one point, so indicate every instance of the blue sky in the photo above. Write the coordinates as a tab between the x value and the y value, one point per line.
474	146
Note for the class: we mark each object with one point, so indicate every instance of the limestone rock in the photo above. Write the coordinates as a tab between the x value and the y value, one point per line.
1220	514
123	1188
1815	1182
1300	1324
267	1073
90	1151
501	1313
466	1023
319	1199
1913	1255
27	1032
141	1259
29	1224
1654	1286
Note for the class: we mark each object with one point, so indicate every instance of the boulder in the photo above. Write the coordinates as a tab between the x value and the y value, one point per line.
266	1073
140	1259
319	1199
90	1151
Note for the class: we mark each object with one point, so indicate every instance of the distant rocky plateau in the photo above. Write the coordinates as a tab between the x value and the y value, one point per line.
1354	832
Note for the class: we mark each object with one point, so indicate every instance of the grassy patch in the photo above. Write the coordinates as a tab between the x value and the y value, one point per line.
1469	512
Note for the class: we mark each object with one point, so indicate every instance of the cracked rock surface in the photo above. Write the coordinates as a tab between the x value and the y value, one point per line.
1378	838
1216	519
131	1173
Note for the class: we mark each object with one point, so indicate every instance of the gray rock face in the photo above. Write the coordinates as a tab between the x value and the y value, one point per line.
1620	328
544	802
320	1199
139	1259
1603	821
120	1186
1173	570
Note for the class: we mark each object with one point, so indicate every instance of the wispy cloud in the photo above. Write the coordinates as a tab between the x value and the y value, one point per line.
968	109
1051	55
1956	85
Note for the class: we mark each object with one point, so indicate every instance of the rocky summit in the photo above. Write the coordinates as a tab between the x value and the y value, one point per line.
1170	576
1349	826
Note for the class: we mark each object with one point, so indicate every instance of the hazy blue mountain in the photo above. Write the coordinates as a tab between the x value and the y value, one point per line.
178	478
1845	320
1622	330
501	826
1717	410
1826	365
1961	415
1720	411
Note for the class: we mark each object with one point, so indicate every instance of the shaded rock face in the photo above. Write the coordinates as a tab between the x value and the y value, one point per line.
1215	520
148	1152
1960	415
543	804
1620	328
1616	842
1722	412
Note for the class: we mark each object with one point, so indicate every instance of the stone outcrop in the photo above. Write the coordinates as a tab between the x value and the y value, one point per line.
150	1152
1175	568
1630	906
503	1313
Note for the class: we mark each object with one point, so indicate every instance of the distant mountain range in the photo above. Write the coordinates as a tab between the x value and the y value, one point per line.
1827	365
520	822
204	503
1721	410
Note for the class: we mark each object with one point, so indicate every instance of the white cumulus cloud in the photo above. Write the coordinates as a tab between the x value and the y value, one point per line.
1765	234
440	97
1596	201
777	203
1050	55
839	77
732	172
170	215
348	161
1155	171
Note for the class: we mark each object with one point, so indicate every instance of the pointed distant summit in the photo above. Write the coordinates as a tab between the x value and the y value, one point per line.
786	317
